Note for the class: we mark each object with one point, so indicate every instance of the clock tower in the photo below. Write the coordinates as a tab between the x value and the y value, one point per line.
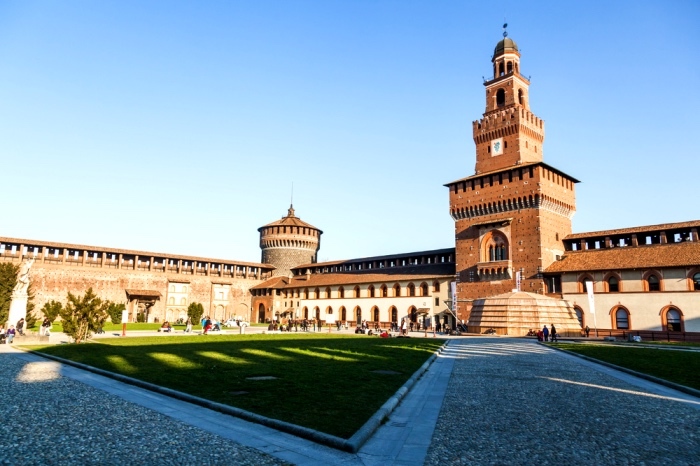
512	214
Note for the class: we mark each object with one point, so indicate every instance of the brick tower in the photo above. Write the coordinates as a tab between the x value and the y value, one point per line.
512	214
289	242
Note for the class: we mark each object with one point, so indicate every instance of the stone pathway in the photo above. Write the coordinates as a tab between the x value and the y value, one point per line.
484	401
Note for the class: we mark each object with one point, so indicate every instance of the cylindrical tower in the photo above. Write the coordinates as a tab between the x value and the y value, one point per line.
289	242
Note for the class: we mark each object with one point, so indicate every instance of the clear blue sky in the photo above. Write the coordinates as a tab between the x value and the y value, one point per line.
180	126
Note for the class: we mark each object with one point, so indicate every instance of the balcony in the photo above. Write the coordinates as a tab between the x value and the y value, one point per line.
495	270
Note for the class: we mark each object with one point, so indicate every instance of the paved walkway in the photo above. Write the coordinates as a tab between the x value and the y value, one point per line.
484	401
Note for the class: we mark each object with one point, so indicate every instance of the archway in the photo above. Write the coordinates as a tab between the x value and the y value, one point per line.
261	313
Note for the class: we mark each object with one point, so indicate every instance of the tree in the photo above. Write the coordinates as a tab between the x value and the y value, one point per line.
8	279
83	315
52	309
195	311
115	311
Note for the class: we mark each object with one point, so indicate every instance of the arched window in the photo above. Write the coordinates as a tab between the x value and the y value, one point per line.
622	318
494	247
582	287
653	283
696	281
183	301
397	290
171	301
341	292
317	293
509	68
672	316
520	97
613	285
356	292
411	288
436	286
384	291
500	98
370	291
305	294
500	69
328	292
172	288
424	289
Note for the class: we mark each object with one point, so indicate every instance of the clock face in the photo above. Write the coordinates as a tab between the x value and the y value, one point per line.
497	147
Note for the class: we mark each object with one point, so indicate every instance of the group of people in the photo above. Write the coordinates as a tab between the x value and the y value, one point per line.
546	334
209	325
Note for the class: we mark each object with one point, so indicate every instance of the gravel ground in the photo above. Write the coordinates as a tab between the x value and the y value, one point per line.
49	419
514	402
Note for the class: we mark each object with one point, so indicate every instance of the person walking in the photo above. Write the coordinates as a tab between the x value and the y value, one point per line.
188	325
545	333
554	334
587	330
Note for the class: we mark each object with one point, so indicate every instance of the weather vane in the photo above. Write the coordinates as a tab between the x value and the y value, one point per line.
505	33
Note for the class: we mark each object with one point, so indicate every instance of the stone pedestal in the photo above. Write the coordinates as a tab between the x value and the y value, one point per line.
18	308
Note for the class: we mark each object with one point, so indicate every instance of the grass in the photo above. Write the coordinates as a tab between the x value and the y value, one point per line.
681	367
324	382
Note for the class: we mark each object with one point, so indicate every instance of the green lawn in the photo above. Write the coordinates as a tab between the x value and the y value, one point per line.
324	382
681	367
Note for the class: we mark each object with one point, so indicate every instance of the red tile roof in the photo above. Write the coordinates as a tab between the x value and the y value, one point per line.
685	254
290	220
642	229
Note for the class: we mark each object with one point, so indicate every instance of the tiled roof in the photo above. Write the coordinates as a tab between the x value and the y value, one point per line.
416	273
290	220
685	254
642	229
522	165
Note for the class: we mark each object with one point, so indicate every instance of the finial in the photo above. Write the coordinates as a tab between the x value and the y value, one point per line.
505	33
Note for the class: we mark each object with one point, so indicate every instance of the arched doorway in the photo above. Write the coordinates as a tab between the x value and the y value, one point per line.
358	315
394	315
413	312
375	314
317	312
306	313
343	314
261	313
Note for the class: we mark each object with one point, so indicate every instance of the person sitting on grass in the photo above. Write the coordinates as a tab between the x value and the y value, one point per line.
166	327
384	334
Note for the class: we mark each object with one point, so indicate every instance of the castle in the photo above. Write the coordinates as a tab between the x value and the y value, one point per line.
512	232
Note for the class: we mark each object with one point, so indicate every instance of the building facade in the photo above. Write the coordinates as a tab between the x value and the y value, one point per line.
154	286
380	290
643	278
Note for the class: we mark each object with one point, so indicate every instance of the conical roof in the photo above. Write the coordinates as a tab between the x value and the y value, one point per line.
290	220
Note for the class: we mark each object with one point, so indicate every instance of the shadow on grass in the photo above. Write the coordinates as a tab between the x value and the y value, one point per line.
328	383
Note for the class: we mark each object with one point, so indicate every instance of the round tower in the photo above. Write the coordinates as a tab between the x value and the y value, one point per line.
289	242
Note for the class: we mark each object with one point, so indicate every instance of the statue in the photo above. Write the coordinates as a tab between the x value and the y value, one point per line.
23	279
